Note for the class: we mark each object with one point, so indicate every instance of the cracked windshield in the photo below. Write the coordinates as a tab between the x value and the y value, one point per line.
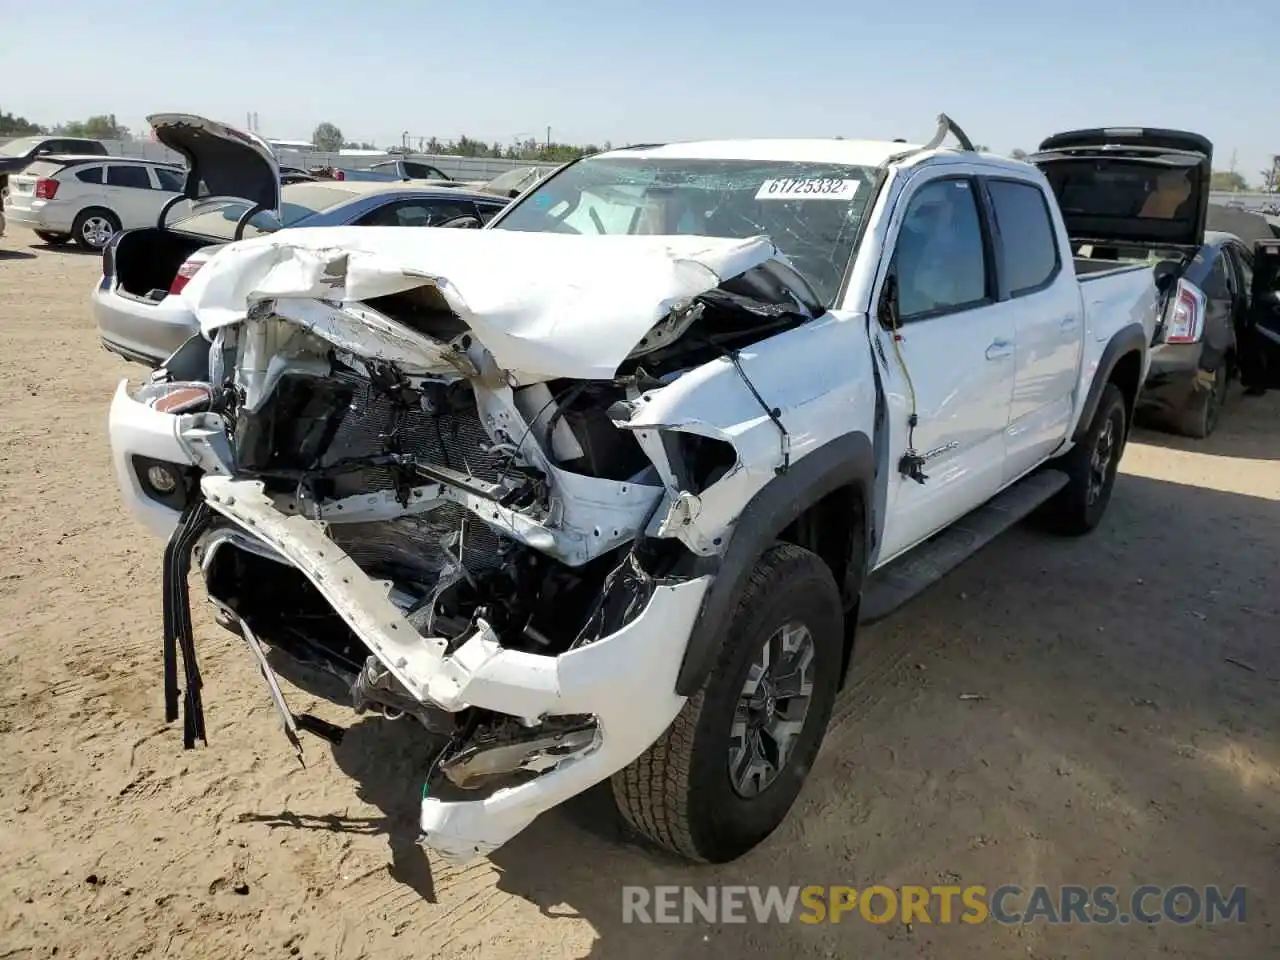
811	211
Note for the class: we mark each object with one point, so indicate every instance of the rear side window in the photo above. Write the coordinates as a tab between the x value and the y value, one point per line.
1217	285
90	175
488	211
120	176
1028	248
170	179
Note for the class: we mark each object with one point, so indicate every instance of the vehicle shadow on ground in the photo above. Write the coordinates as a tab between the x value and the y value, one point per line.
16	255
1092	710
386	760
1249	429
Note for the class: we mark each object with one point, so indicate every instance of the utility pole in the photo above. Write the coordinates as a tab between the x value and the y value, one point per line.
548	136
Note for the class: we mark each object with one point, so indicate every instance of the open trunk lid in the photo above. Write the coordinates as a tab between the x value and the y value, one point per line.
226	161
1130	186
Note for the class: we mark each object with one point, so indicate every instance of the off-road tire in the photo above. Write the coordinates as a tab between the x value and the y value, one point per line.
1202	414
679	792
1072	511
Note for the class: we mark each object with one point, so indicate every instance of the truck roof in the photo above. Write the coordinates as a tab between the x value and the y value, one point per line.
863	153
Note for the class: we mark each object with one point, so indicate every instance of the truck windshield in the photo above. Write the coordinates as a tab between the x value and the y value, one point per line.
811	211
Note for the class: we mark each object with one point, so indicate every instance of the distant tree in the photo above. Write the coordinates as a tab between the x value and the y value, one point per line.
1018	153
361	145
981	148
101	126
14	126
327	137
1268	178
1227	180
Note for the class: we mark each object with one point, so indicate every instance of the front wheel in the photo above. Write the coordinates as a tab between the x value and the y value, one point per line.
725	774
1091	467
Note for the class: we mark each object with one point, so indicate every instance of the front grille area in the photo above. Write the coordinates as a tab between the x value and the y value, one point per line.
423	546
452	438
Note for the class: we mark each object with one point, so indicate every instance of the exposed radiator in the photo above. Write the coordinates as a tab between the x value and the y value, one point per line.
417	545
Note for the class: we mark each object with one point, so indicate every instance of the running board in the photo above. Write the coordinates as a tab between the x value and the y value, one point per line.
921	567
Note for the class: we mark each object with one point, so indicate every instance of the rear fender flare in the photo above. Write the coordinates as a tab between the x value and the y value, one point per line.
1129	339
847	460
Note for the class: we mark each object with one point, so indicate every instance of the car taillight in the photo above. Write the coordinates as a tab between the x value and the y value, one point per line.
185	272
1186	314
46	189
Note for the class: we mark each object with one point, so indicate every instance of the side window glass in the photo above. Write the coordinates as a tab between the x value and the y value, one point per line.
170	180
1217	286
128	177
91	175
1028	247
939	259
488	211
1245	261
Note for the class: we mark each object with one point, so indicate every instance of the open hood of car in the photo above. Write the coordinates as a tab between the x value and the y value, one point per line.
1126	186
544	305
228	162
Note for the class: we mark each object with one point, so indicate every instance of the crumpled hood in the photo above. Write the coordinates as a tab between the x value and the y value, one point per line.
552	305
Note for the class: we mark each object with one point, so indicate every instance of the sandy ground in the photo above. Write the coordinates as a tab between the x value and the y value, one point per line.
1115	743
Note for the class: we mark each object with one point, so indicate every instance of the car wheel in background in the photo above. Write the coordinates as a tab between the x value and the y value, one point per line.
1201	416
53	238
95	227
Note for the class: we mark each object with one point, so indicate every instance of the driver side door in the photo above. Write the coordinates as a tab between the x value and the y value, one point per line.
948	357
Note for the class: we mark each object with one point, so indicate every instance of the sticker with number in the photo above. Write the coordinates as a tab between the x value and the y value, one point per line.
808	188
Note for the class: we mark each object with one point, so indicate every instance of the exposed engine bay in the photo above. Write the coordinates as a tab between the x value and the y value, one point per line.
496	511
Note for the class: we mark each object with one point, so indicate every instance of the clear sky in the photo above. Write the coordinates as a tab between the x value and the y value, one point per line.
596	70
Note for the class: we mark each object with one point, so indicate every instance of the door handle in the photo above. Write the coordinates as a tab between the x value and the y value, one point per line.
999	349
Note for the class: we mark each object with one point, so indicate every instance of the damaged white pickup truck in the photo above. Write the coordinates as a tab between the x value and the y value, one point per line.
603	489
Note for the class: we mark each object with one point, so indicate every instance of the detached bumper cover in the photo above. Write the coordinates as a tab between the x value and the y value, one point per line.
625	680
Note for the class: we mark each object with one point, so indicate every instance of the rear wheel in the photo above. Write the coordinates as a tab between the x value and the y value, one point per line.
725	774
94	228
1202	415
50	237
1091	467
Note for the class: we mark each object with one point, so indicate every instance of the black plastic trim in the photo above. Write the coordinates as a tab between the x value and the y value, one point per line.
1130	339
846	460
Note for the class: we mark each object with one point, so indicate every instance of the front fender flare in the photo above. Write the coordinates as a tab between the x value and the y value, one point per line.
847	460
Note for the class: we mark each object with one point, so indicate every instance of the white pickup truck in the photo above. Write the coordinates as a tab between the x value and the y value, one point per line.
604	489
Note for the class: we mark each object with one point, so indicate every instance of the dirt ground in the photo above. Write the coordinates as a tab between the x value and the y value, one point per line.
1114	741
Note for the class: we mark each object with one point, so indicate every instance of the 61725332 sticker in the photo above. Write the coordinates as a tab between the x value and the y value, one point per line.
808	188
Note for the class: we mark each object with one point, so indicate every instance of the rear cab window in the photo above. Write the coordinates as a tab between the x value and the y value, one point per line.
1025	237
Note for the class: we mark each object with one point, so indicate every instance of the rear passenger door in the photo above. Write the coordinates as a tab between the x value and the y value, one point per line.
1044	302
130	194
950	360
